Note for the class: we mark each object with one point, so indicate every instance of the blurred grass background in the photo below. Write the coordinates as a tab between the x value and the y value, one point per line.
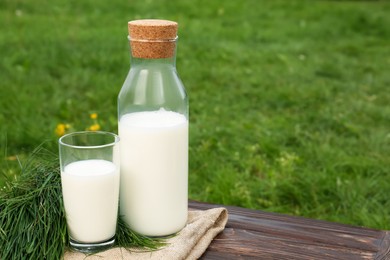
289	100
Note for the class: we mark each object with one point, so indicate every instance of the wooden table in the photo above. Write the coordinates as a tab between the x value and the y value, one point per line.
263	235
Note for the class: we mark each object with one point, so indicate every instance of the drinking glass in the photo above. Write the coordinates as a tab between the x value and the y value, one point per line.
90	164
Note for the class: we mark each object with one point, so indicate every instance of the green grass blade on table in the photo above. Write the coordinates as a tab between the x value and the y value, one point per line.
127	238
32	218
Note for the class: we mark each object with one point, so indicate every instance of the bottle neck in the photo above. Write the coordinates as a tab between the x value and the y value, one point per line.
143	62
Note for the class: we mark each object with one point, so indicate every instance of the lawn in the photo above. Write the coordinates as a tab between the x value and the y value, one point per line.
289	100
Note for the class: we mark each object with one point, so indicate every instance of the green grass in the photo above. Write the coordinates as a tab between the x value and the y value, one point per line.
289	100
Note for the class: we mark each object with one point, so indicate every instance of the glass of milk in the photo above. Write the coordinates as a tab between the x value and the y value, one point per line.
90	164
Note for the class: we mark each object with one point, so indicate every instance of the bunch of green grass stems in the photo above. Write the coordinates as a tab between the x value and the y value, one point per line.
32	215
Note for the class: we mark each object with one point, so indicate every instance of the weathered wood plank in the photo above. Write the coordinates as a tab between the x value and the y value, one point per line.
384	247
265	235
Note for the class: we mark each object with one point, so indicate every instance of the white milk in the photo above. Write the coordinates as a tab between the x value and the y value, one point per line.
154	171
90	189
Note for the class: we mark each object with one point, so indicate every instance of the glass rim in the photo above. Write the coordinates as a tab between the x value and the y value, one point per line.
116	139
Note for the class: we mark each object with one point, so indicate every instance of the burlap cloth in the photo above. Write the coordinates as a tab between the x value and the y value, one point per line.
190	243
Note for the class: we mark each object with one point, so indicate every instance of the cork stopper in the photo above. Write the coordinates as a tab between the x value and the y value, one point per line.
152	38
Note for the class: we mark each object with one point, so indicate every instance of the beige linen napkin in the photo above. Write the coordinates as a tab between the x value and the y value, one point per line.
190	243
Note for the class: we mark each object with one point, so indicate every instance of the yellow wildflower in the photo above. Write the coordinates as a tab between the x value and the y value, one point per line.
94	127
93	116
12	158
60	129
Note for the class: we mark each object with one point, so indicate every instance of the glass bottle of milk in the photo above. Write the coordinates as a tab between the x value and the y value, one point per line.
153	128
